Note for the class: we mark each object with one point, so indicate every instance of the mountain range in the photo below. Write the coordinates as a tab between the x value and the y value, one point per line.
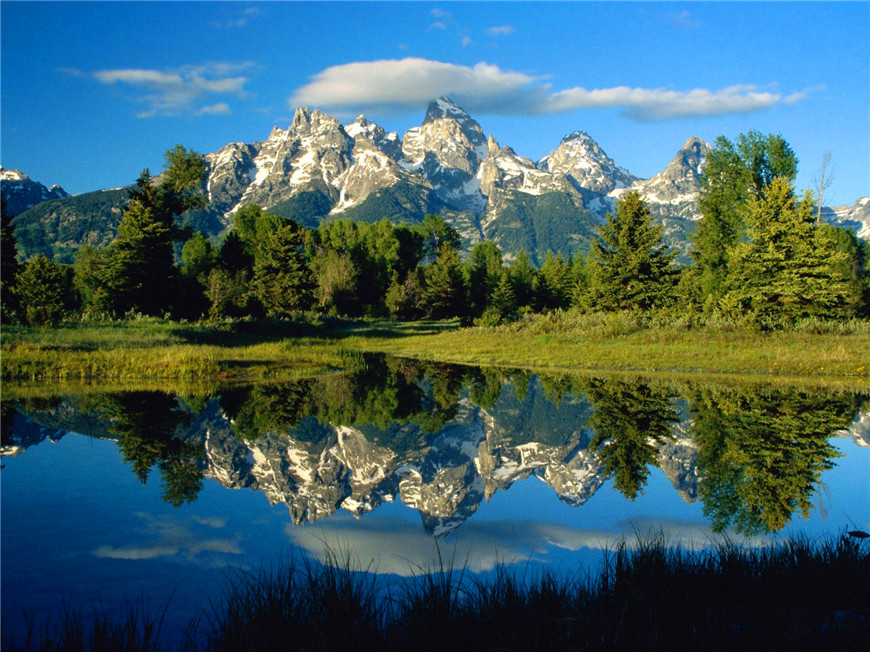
319	170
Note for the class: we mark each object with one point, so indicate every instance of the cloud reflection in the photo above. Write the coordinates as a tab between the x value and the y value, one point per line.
404	549
171	536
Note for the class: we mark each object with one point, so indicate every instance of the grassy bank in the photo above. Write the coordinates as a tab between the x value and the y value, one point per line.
821	354
797	595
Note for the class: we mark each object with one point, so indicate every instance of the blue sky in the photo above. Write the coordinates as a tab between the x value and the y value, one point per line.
94	92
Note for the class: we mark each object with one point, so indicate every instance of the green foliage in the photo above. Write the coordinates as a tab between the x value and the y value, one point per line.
630	420
630	269
734	173
437	234
484	274
405	300
282	280
541	223
198	257
9	267
522	275
59	228
762	453
445	292
43	290
788	268
553	284
336	278
138	273
309	209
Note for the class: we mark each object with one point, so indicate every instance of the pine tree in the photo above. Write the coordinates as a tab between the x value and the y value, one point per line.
138	272
553	283
504	299
9	266
43	288
788	268
733	174
283	281
631	269
445	293
522	275
484	273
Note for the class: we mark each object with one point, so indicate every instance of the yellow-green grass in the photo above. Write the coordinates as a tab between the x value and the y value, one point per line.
154	349
785	356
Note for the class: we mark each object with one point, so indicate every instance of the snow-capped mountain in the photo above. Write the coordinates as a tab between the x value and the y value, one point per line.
20	193
674	191
855	217
318	169
580	159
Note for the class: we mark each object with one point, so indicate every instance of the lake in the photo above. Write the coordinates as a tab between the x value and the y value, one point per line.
111	498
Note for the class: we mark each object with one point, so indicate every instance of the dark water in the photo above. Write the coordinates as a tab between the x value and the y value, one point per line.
111	497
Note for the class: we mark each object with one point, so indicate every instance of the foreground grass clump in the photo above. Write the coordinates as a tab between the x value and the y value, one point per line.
797	595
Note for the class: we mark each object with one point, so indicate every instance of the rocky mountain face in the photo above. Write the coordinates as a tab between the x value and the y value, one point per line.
318	169
20	193
855	217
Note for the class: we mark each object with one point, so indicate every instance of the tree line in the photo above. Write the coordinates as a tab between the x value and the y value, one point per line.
760	255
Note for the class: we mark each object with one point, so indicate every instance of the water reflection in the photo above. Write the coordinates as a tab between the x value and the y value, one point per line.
442	439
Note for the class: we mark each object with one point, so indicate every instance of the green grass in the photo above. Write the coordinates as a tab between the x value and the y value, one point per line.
816	353
797	595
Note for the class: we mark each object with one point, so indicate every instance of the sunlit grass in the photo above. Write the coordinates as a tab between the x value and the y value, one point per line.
813	353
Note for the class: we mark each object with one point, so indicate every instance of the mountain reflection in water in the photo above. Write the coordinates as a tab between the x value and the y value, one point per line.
442	439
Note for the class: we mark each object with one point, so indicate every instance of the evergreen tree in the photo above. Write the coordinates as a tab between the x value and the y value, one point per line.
504	298
484	273
138	271
445	292
283	281
552	284
9	266
733	174
522	275
631	269
789	268
44	291
630	420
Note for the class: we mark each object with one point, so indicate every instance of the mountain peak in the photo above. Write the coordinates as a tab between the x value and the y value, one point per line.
444	107
13	175
579	136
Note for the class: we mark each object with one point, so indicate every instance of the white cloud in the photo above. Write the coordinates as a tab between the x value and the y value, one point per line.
393	85
501	30
684	19
221	108
183	90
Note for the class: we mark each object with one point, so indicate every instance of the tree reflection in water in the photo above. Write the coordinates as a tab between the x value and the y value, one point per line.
755	456
762	452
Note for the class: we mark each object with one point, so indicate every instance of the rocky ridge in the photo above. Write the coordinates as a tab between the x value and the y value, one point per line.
20	193
319	169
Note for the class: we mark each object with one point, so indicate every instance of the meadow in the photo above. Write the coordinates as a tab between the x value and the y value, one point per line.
813	352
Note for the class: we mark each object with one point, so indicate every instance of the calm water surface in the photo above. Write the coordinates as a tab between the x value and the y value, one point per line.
111	497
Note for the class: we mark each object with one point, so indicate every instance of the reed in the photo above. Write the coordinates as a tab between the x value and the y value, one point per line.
799	594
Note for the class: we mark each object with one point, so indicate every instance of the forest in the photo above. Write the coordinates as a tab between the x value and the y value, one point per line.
761	257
